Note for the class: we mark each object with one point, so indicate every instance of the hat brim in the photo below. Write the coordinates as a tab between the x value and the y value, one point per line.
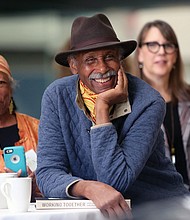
127	46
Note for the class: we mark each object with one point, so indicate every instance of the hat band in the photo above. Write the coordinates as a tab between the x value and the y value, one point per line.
91	42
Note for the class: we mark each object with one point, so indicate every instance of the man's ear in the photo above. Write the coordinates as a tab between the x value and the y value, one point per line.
73	66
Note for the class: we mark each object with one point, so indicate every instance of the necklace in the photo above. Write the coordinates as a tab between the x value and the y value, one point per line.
170	129
172	134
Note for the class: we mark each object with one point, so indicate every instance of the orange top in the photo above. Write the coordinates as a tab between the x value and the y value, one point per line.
28	132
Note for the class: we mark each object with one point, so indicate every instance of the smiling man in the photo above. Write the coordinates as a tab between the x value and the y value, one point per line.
100	133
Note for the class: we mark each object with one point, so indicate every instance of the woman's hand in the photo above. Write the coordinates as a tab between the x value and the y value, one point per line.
30	173
7	170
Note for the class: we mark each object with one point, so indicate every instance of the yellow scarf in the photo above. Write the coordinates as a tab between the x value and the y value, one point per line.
89	99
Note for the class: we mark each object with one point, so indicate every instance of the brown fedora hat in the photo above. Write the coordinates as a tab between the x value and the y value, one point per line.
89	33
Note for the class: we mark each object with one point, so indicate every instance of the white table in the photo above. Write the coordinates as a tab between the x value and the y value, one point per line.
63	214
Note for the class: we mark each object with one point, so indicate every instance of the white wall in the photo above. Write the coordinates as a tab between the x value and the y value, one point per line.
49	31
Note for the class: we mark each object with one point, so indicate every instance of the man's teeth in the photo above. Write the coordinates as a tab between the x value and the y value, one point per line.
102	80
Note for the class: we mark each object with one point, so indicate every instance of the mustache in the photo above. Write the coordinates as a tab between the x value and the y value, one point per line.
102	76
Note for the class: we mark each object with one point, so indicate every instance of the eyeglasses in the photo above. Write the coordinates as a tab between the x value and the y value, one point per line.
154	47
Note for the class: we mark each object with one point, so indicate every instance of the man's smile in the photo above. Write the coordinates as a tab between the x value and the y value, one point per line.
103	80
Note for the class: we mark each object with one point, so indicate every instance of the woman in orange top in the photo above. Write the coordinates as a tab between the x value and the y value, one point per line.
15	128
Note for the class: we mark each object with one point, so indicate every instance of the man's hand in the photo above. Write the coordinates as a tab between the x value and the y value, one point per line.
110	97
106	198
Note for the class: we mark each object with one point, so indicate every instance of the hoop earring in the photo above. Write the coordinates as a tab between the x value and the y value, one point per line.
11	106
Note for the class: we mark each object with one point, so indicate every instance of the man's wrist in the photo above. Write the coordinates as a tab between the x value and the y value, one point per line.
77	189
102	112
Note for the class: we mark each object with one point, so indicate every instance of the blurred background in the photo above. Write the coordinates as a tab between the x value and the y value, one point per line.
32	32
